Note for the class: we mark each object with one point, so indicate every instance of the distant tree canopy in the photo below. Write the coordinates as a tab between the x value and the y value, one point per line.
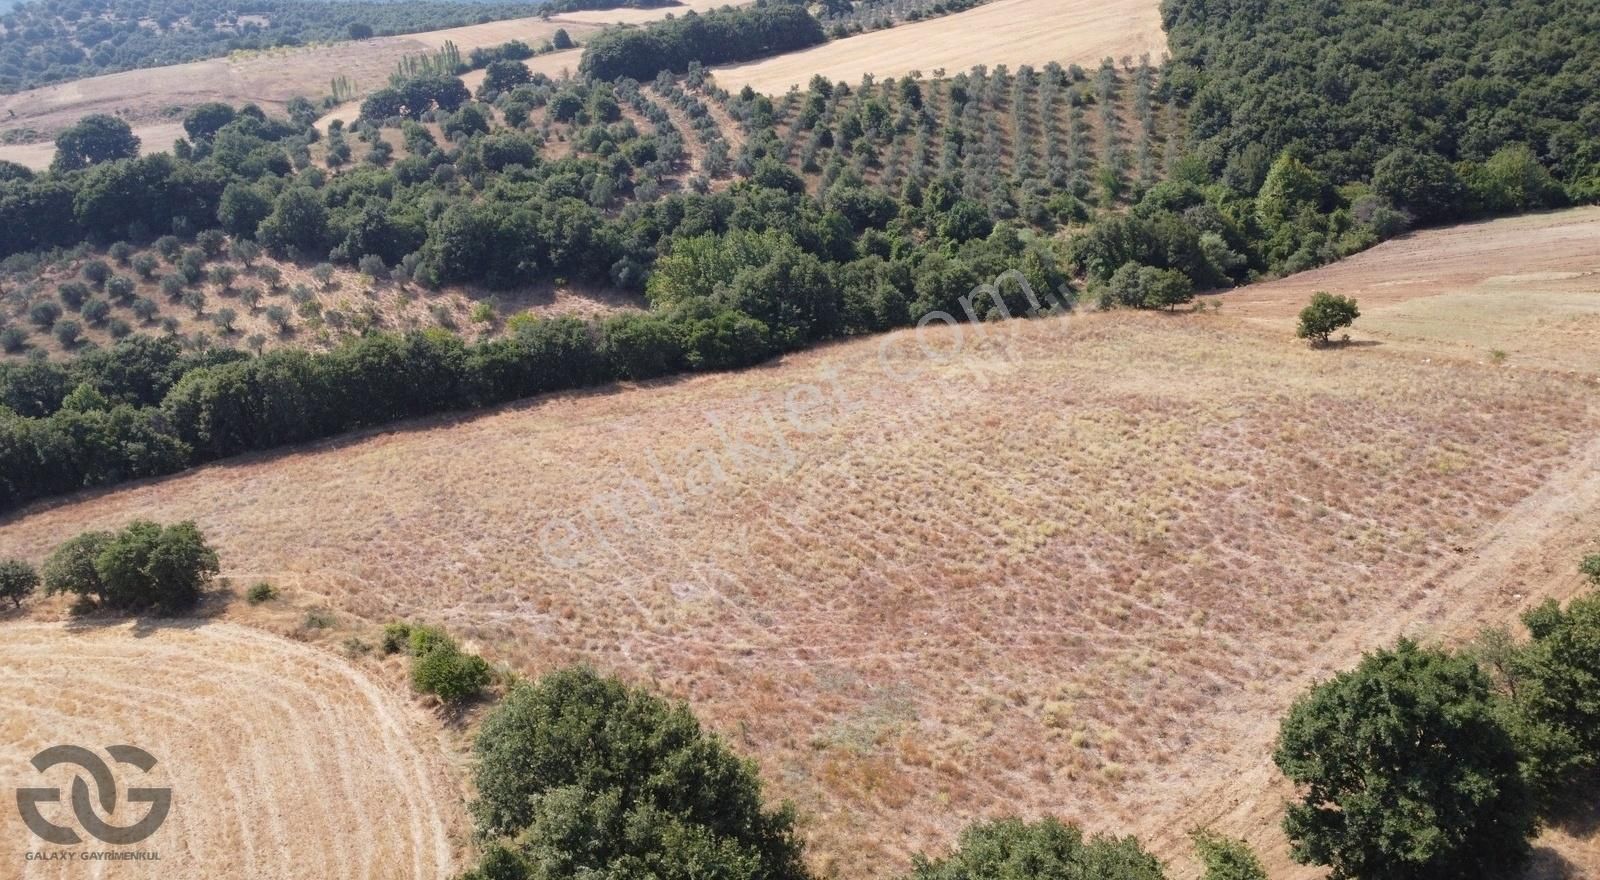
718	37
94	139
1346	85
45	42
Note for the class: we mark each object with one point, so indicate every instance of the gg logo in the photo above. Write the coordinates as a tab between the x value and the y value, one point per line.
28	799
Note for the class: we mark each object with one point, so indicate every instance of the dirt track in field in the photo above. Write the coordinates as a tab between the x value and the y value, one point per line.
283	760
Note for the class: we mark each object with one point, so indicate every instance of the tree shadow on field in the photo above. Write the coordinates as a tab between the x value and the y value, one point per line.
1576	814
1578	810
87	616
1547	864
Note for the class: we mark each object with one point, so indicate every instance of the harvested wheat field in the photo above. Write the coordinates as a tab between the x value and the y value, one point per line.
1078	566
1527	287
280	757
1010	32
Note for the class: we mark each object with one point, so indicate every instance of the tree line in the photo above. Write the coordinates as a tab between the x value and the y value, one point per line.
718	37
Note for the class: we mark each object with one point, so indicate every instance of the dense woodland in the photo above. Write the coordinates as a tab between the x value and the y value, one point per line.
1416	84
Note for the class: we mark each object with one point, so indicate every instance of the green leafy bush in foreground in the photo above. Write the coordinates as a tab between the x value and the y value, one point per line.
583	775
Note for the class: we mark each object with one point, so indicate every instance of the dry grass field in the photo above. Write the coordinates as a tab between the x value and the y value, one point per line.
283	760
1527	287
1010	32
1077	566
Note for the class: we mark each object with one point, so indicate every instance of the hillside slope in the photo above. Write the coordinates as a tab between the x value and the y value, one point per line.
1076	566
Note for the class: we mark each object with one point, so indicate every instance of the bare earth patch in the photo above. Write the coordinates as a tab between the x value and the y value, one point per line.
281	758
1009	32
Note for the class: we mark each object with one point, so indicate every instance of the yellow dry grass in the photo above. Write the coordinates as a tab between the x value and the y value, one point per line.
1527	287
1010	32
283	760
1079	566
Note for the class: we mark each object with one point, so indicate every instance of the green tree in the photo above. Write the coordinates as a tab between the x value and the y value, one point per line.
96	138
149	566
1011	849
70	568
242	208
1420	182
586	775
18	580
1326	313
1406	772
1146	287
204	121
1290	188
504	75
1557	692
299	220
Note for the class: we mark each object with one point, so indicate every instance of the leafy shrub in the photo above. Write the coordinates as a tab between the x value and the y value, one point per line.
396	637
1227	859
1011	849
259	592
440	667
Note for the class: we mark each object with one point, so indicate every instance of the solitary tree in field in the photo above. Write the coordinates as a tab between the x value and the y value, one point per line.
18	580
1326	313
1405	771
